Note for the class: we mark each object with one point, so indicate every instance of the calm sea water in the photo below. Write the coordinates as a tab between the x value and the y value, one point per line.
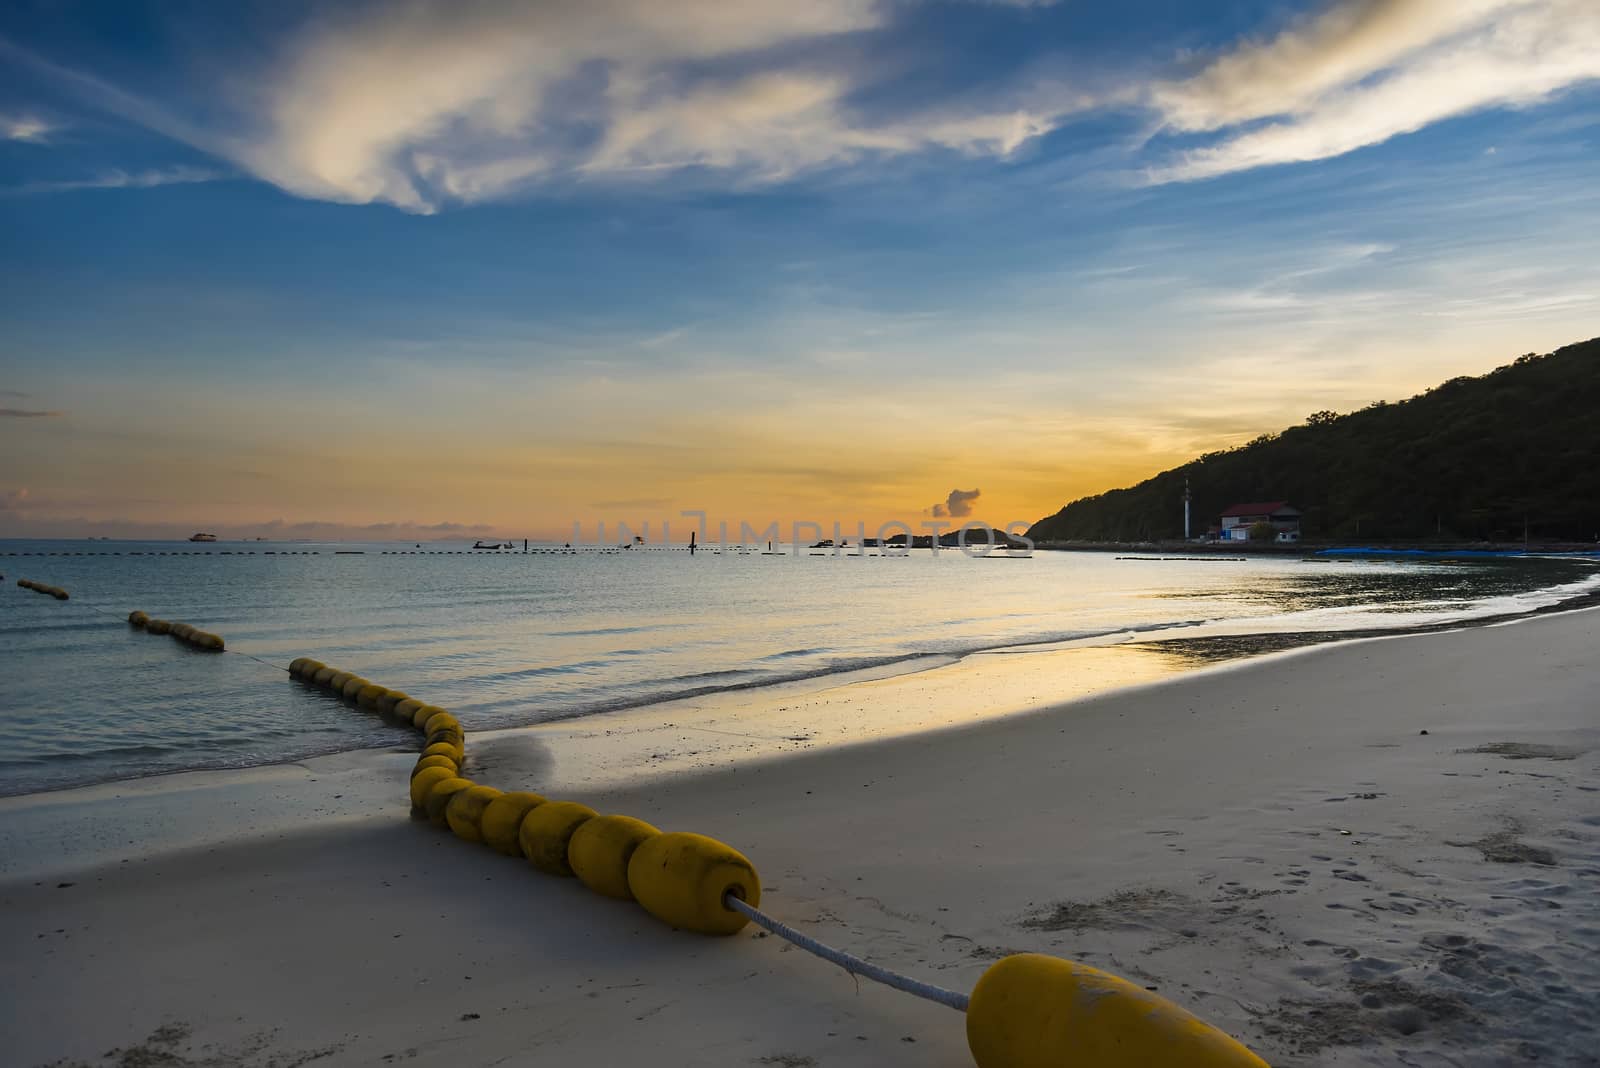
509	639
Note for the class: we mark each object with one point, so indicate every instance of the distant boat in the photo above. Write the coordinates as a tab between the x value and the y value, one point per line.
491	545
202	537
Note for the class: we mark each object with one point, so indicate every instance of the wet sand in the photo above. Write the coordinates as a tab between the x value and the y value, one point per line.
1272	843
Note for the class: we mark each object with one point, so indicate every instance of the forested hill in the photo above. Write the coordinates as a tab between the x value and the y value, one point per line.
1474	458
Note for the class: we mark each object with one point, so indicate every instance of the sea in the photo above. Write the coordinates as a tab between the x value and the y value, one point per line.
511	638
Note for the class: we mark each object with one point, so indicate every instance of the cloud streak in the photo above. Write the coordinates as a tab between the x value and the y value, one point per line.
28	413
117	179
1369	70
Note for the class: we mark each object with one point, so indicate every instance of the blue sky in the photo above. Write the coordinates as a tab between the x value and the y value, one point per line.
505	265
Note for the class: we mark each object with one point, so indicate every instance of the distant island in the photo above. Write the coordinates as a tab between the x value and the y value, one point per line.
1507	456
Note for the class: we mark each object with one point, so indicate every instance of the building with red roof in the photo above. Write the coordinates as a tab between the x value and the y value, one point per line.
1237	520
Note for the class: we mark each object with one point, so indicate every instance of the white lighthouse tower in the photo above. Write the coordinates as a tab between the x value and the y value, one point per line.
1186	497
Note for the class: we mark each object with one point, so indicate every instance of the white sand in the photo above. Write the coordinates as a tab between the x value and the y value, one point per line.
1189	834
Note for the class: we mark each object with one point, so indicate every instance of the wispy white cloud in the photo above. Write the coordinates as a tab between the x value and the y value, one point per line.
423	103
118	179
30	128
417	105
1369	70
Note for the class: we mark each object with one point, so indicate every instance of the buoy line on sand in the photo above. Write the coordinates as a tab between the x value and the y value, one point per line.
1028	1010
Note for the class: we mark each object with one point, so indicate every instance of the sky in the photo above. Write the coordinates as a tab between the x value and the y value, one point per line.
422	269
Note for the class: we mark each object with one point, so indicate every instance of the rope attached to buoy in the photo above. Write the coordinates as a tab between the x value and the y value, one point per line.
852	964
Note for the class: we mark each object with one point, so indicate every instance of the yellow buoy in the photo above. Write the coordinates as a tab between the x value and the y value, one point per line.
600	850
352	686
502	821
682	878
439	796
425	780
423	714
390	700
182	630
369	695
546	830
439	721
1034	1011
447	749
324	676
158	626
407	708
297	666
436	761
465	810
451	735
138	619
58	593
336	681
206	640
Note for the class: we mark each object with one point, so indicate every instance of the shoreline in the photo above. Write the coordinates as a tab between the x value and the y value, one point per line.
1270	843
1185	651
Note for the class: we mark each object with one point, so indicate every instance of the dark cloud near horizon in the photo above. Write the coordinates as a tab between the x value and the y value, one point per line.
959	504
29	413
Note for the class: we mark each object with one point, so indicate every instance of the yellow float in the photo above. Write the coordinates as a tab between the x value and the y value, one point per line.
446	749
448	735
600	849
439	797
502	821
546	830
682	878
439	721
435	762
465	811
426	780
1034	1011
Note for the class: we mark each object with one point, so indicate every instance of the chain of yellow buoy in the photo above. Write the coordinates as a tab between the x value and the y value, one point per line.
1028	1010
200	639
39	587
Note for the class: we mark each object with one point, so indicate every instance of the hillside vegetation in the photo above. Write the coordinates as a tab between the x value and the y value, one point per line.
1472	459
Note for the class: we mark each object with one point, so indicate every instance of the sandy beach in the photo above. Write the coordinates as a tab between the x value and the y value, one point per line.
1378	852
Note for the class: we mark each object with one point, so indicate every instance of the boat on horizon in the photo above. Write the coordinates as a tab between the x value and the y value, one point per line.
202	537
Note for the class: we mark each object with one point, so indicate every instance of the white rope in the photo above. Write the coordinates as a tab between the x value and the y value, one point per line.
853	965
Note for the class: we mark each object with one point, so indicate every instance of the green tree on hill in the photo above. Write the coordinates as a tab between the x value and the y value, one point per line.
1474	458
